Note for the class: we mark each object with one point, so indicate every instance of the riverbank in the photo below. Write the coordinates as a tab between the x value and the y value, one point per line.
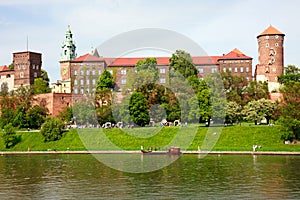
139	152
232	139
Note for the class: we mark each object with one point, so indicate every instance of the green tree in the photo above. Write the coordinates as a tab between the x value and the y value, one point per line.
290	110
256	90
36	116
148	65
182	62
138	109
233	111
105	81
258	110
7	115
40	86
292	74
66	115
52	129
9	136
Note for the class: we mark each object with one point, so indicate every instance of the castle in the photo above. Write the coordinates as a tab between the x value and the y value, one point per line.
79	75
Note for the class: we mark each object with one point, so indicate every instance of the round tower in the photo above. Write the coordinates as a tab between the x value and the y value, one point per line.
270	57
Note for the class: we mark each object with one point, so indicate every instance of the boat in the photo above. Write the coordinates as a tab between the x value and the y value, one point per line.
171	151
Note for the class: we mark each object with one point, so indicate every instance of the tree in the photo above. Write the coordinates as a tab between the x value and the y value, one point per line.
105	81
290	110
148	65
41	86
66	114
292	74
258	110
10	137
36	116
7	115
182	62
52	129
233	111
138	109
256	90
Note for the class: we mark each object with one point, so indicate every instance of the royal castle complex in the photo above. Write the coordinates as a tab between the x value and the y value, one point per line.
79	74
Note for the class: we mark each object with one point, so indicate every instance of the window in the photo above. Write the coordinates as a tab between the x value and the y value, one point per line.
247	69
224	69
274	69
87	90
37	66
93	72
33	66
272	60
123	81
200	70
162	70
21	74
99	72
267	44
162	80
75	91
235	69
276	36
213	70
276	45
247	78
94	81
242	69
123	71
81	82
75	72
24	66
81	91
87	72
267	37
75	82
81	72
34	74
87	81
229	69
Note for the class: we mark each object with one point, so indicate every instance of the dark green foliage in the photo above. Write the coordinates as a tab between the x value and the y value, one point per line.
9	136
292	74
149	65
66	115
105	81
182	63
36	116
138	109
7	115
52	129
40	86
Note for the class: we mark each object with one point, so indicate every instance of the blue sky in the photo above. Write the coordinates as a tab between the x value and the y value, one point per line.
217	26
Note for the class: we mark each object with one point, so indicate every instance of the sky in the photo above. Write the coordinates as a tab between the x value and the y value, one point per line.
218	26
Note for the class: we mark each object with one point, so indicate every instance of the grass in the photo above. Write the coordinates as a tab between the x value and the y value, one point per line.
232	138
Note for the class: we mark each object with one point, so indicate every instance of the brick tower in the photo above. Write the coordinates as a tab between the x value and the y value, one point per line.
27	67
270	57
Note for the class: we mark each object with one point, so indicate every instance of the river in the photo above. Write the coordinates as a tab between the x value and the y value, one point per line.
189	177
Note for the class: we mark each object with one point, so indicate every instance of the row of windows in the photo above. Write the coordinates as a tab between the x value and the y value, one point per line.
235	61
276	45
82	91
22	74
88	72
161	80
213	70
236	69
87	82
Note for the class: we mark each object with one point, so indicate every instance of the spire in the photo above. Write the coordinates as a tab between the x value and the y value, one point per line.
68	47
271	30
95	53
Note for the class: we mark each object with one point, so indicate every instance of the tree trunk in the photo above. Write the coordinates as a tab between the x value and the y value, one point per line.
255	122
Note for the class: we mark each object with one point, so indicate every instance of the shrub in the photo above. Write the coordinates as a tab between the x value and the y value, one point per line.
52	129
10	137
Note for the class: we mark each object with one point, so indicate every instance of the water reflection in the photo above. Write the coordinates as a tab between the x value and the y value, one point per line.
84	177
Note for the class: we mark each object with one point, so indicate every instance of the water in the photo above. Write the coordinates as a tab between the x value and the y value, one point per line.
212	177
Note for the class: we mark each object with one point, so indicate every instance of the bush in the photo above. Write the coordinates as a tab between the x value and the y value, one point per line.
10	137
52	129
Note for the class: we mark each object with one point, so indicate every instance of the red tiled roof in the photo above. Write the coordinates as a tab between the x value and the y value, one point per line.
235	54
131	61
88	57
4	68
270	31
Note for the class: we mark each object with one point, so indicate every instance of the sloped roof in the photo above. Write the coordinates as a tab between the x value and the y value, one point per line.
234	54
4	68
87	57
271	30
